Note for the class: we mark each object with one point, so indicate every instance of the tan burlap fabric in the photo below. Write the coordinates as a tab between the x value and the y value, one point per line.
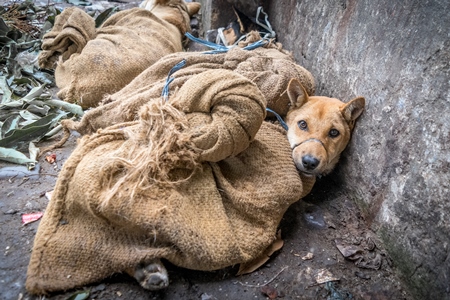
201	181
270	68
94	62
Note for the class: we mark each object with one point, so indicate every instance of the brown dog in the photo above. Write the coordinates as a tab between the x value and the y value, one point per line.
319	129
163	8
172	12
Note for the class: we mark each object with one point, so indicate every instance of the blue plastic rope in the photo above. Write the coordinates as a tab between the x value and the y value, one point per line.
222	49
206	43
279	118
165	91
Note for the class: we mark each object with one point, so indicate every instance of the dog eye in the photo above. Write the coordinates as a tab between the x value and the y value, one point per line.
333	133
302	125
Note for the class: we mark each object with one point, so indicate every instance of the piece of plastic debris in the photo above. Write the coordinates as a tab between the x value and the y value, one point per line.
51	158
323	275
29	218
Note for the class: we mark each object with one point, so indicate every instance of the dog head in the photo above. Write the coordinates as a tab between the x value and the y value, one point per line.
319	128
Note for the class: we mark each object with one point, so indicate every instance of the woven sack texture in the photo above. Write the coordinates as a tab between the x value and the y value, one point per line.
91	63
201	181
270	68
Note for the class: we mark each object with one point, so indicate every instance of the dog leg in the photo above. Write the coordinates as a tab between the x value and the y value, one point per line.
152	276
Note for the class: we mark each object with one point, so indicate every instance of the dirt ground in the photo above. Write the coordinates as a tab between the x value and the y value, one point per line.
318	232
311	229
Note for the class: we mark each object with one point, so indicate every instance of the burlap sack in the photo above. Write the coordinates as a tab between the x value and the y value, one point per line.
95	62
270	68
200	181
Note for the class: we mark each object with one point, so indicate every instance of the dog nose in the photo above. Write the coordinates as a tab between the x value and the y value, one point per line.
310	162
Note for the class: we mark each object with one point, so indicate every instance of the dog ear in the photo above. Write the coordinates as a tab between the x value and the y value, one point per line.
193	8
353	109
297	93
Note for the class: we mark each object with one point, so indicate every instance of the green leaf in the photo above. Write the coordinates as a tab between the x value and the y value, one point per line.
43	77
70	107
53	131
14	156
33	150
105	15
5	114
41	110
4	40
4	29
79	2
5	89
28	116
35	92
31	132
82	295
10	124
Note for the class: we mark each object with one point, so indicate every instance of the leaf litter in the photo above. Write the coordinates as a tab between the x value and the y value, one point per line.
29	112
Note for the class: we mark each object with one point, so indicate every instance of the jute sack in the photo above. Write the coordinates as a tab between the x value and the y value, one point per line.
94	62
270	68
200	181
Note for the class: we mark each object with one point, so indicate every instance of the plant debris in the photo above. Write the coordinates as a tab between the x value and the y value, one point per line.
324	275
81	295
28	110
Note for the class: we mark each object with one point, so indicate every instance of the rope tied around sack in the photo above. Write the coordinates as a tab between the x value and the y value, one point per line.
165	91
222	49
279	118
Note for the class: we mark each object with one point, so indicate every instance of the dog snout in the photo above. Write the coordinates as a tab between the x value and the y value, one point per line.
310	162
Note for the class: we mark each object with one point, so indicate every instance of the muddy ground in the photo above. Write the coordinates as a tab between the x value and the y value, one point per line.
318	232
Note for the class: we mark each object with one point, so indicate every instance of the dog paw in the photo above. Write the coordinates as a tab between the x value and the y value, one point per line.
152	276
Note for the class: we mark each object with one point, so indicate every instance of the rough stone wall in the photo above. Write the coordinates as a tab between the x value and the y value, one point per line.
395	53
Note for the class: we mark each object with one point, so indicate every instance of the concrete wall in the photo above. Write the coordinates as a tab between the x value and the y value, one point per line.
396	54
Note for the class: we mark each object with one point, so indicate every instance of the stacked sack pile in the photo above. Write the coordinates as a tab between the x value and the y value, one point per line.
200	179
